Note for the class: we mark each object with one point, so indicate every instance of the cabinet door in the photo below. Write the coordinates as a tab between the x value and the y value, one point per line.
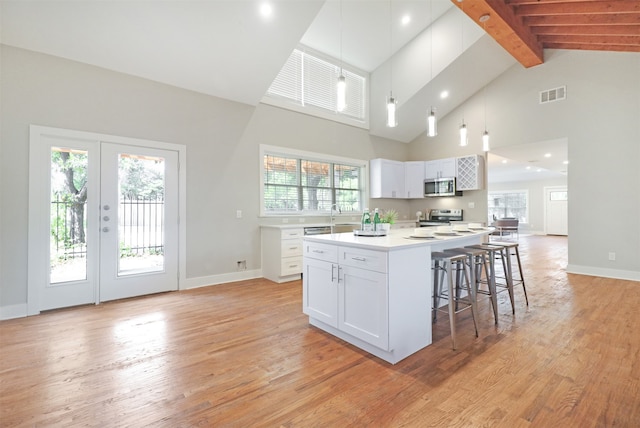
448	167
440	168
320	291
432	169
363	309
386	178
414	180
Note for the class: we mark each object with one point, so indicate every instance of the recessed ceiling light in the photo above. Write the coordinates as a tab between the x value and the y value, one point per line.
504	161
538	170
444	94
565	162
266	10
528	167
547	155
406	20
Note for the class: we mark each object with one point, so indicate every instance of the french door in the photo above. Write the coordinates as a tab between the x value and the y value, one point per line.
103	220
138	221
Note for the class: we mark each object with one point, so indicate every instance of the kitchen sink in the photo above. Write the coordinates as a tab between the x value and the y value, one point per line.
345	227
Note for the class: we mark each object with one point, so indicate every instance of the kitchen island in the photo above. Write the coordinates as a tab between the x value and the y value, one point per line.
375	292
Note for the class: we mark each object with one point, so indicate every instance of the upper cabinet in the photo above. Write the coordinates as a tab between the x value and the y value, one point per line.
414	180
386	178
405	180
470	174
440	168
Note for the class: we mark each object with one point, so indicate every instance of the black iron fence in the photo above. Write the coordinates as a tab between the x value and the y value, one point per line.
141	227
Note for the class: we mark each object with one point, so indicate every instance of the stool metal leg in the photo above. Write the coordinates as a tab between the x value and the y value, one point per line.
524	288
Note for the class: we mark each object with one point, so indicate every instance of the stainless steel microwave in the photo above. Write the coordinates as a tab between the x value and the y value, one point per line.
445	186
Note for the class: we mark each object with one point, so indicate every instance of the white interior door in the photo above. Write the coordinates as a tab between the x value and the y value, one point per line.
103	218
556	211
138	221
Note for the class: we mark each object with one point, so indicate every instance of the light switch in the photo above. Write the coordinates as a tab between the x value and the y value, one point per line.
239	214
472	204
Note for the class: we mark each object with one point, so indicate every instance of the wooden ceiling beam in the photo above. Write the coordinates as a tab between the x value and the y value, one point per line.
577	8
593	47
610	30
592	39
506	28
593	19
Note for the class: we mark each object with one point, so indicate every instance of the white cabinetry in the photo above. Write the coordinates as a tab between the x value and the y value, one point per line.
440	168
282	253
414	176
470	172
346	288
386	178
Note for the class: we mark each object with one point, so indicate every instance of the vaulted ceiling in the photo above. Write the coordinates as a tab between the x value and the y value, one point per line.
226	49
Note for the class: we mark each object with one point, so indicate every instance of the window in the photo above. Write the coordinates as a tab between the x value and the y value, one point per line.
307	83
509	203
306	183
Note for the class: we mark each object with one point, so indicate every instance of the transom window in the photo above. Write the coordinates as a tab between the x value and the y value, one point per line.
307	82
509	203
299	184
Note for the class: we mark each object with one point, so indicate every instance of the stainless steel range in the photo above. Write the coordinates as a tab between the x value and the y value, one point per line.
441	217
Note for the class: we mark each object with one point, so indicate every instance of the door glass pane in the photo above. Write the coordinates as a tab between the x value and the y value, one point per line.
68	220
140	214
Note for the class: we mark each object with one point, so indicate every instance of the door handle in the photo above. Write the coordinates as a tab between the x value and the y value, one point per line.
105	218
105	229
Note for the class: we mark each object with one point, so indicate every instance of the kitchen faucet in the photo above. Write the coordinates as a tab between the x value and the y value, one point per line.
332	218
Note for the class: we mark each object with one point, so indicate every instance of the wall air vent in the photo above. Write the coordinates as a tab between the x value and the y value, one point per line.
555	94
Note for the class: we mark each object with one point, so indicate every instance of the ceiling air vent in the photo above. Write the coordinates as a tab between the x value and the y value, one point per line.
555	94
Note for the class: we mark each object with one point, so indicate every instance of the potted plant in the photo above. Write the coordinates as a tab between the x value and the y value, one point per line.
388	218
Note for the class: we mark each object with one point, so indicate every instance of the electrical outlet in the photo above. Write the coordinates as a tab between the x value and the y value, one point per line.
472	204
612	256
239	214
242	265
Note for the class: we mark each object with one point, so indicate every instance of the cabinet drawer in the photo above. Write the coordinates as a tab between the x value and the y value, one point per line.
291	266
291	247
365	259
314	250
292	233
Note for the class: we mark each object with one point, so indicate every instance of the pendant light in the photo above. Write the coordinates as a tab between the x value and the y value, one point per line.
432	123
485	134
341	96
464	140
391	101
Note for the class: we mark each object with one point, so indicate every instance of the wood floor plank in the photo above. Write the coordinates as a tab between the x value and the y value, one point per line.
243	355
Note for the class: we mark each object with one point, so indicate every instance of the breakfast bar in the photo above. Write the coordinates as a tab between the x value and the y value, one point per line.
375	292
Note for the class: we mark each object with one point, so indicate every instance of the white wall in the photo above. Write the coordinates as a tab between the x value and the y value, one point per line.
222	139
601	120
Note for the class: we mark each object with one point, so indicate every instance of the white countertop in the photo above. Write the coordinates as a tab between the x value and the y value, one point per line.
396	239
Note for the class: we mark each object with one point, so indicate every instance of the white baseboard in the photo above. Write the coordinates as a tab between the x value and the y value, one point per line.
204	281
628	275
13	311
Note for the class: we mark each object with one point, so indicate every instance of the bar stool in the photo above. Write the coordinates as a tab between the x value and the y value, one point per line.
445	263
498	251
477	260
509	246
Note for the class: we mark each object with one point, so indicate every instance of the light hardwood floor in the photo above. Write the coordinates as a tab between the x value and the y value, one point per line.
243	355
